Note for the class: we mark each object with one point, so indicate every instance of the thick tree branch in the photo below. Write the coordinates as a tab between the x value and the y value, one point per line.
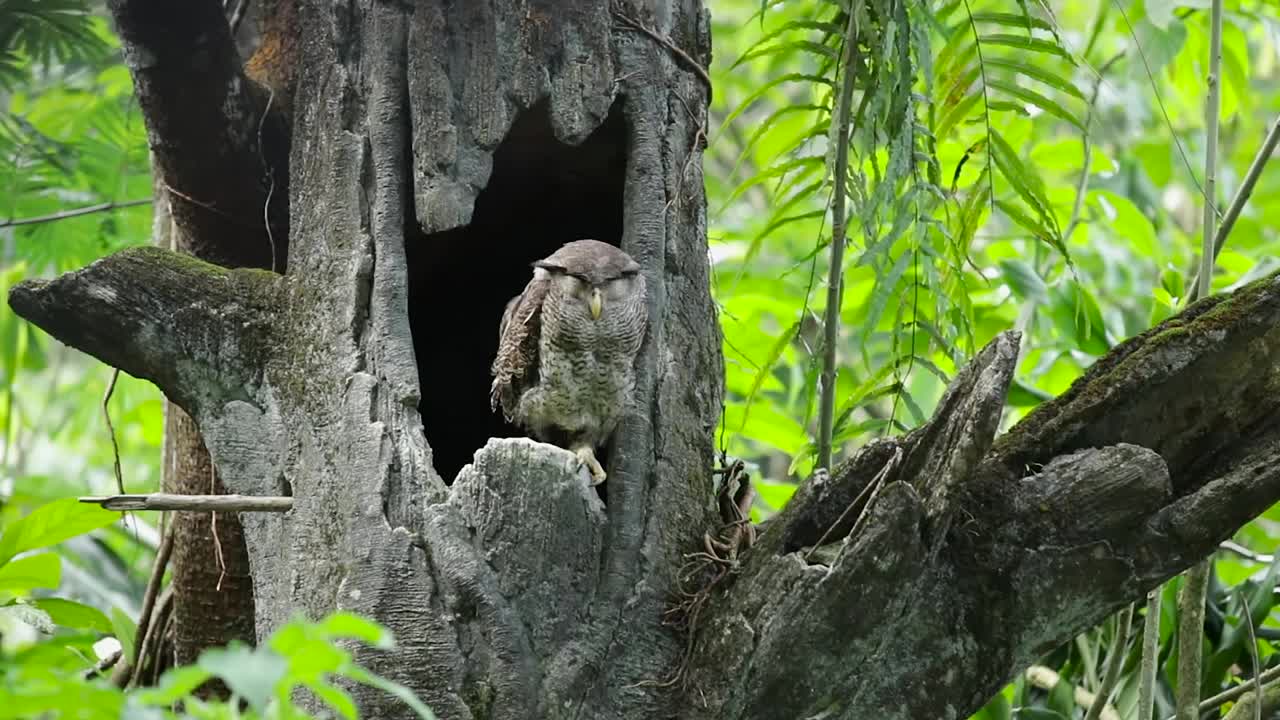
199	332
1160	451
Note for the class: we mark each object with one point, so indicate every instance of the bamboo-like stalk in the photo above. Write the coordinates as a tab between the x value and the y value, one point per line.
1115	660
1191	599
1150	656
839	224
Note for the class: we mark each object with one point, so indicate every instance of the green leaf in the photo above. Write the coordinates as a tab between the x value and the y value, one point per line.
1076	315
1129	223
775	353
1023	395
251	674
1021	42
392	688
51	524
789	26
1034	98
1015	213
1172	281
1024	280
29	615
759	92
997	709
125	631
1028	187
1061	699
1013	20
335	697
30	572
175	684
789	47
74	615
349	625
1036	72
775	494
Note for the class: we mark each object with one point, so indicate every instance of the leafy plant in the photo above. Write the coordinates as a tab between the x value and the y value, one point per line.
264	681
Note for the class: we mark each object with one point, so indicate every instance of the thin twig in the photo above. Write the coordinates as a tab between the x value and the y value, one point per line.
1236	548
862	500
839	224
1150	656
194	503
146	645
73	213
125	670
1241	197
111	428
684	57
1155	90
213	529
271	176
1115	660
1253	655
105	663
1226	696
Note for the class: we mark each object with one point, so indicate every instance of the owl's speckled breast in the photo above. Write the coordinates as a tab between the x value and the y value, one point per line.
586	372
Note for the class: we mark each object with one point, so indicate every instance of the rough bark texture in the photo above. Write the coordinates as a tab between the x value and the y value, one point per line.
909	582
219	155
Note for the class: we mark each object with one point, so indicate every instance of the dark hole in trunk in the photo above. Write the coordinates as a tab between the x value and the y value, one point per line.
541	194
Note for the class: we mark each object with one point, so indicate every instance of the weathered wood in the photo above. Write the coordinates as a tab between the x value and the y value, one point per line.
194	503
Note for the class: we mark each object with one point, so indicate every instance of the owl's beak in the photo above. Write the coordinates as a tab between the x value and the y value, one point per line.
596	302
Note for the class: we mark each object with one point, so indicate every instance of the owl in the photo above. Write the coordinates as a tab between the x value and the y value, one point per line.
565	368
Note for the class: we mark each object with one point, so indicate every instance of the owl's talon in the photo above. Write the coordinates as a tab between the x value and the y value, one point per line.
587	456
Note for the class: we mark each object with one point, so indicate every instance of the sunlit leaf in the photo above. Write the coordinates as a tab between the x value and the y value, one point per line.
51	524
74	615
33	571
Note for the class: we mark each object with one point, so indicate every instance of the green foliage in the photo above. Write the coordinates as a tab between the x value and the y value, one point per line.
71	137
45	674
300	655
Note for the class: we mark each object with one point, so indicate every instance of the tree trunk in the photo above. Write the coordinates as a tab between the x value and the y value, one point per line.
438	148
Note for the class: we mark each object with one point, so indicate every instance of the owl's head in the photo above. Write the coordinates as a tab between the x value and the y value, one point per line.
594	273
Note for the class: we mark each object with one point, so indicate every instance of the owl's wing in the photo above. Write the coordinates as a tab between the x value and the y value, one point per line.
516	366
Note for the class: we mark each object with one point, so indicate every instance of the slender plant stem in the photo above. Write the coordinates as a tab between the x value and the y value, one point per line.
1191	599
1190	636
1211	150
1258	695
1241	197
1226	696
73	213
1115	660
839	224
1150	656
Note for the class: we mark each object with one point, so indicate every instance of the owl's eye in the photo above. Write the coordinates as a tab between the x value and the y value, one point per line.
574	284
620	287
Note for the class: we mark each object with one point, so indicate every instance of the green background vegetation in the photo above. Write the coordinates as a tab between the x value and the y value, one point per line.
1013	164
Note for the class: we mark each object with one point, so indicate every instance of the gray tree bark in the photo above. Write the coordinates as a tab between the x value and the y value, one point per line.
909	582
